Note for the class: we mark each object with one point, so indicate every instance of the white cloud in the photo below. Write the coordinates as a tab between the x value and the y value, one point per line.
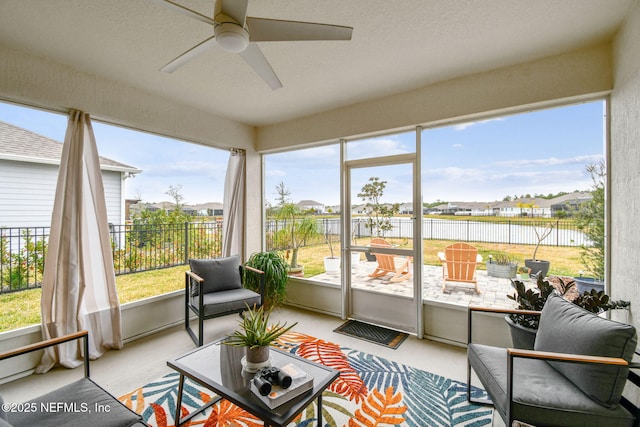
551	161
463	126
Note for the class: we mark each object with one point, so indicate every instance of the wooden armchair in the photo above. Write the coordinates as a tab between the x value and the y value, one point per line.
88	404
575	376
214	288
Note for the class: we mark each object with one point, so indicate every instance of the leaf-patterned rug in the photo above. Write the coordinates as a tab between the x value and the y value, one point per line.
371	391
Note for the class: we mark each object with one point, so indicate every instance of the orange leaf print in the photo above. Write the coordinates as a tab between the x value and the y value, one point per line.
349	384
226	414
379	409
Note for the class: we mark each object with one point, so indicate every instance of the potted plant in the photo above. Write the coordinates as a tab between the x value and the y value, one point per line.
524	327
590	219
298	228
502	265
256	335
539	267
332	262
275	269
378	214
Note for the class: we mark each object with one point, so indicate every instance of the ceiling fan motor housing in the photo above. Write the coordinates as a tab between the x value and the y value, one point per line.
231	37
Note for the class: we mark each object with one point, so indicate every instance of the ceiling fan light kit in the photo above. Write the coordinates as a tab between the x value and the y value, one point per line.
231	34
231	37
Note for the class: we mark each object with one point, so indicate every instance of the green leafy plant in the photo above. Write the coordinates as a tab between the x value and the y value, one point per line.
275	270
535	299
255	330
590	219
502	259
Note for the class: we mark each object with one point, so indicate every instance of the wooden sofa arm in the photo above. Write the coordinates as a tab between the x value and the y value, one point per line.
52	342
564	357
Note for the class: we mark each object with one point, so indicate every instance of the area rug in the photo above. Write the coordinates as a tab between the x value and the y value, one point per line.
372	333
371	391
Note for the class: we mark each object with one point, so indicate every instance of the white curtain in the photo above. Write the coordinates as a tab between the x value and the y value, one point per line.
233	205
78	285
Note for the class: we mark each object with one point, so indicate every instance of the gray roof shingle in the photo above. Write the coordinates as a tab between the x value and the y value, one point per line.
16	142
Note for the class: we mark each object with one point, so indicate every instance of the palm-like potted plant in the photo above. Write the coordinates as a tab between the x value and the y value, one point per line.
256	335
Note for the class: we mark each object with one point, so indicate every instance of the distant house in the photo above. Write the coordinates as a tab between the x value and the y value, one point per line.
28	176
310	205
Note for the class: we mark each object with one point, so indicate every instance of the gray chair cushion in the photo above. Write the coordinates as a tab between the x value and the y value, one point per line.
219	274
541	396
227	301
567	328
82	399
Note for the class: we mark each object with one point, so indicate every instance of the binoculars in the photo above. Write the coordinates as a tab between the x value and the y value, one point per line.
265	378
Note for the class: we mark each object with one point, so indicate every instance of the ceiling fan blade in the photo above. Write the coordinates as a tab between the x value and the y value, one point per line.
189	55
236	9
265	30
185	11
256	60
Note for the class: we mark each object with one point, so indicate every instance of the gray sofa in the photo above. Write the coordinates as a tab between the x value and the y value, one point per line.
575	375
81	403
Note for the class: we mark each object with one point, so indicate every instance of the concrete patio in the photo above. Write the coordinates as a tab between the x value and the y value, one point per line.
493	290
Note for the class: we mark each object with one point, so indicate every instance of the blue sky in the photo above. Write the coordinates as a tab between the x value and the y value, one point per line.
545	151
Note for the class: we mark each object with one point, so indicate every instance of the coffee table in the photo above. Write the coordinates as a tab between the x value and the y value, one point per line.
217	367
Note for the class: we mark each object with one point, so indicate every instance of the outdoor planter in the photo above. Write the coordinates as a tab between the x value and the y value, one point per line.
538	266
522	337
332	264
505	271
586	284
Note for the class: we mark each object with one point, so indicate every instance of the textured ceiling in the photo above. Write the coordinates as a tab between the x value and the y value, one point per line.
397	46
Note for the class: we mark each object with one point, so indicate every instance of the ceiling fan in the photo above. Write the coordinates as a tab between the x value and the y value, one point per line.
236	32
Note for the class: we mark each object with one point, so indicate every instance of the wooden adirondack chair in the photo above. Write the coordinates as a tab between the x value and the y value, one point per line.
387	263
459	262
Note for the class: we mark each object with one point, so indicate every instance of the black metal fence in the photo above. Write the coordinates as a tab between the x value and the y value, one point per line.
147	247
510	231
135	248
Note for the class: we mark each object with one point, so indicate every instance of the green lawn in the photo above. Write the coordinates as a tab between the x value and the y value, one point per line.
21	309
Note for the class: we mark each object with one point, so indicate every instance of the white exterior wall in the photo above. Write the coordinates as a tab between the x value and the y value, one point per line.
624	167
27	191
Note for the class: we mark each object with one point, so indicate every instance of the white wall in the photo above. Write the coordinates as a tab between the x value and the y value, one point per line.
624	166
27	191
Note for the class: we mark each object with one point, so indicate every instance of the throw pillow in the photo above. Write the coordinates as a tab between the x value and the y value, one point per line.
219	274
567	328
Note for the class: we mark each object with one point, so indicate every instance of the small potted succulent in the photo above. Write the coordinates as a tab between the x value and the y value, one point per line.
256	335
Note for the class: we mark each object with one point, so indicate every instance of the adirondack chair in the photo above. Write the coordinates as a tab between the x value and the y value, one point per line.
459	262
387	263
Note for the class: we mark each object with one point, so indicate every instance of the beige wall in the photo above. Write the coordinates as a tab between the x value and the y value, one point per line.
583	73
624	166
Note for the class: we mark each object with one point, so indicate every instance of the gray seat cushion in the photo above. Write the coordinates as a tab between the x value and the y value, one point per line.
219	274
567	328
77	404
227	301
541	395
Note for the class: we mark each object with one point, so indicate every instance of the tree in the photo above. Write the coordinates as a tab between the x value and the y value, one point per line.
298	226
379	215
175	192
590	219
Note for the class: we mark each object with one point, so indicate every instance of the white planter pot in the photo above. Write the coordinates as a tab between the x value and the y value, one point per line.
332	265
355	258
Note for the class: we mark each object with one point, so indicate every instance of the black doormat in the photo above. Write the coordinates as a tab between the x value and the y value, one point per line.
372	333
